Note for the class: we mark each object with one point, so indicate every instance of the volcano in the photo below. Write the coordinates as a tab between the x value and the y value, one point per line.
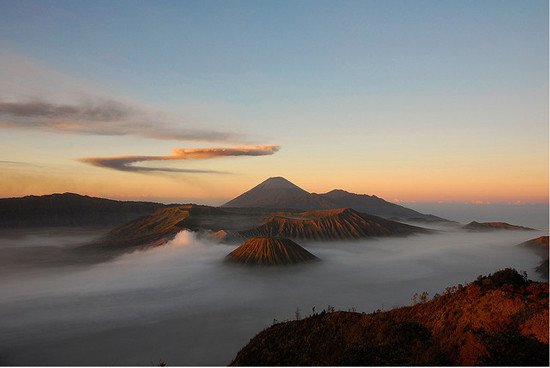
337	224
278	193
269	251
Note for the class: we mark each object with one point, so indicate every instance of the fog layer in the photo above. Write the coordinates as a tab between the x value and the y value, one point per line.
534	215
181	304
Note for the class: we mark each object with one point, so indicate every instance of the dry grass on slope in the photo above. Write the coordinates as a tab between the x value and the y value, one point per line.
500	319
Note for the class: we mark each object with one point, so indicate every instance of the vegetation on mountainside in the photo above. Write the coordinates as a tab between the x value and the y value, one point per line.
500	319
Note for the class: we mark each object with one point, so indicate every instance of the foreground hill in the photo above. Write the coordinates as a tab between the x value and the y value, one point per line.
279	193
343	223
266	251
501	319
69	209
490	226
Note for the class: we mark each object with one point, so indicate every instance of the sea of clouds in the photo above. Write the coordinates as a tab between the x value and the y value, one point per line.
182	304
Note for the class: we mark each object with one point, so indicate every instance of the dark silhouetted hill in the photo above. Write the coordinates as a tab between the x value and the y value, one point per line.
490	226
501	319
69	209
267	251
343	223
279	193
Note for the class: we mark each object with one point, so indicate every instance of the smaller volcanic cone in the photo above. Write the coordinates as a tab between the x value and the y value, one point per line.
268	251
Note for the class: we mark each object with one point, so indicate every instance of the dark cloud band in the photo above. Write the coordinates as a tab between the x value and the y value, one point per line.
102	117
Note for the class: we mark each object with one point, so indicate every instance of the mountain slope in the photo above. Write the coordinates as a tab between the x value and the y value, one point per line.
69	209
501	319
539	246
540	242
154	229
543	268
266	251
374	205
343	223
279	193
163	224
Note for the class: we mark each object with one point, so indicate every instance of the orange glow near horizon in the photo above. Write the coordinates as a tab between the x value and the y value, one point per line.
395	186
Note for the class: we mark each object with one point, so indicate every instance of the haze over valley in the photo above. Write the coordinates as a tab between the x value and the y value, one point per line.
181	303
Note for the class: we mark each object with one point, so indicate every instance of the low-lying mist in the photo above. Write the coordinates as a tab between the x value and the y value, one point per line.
180	303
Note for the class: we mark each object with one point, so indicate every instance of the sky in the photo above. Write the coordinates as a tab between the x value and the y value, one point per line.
414	101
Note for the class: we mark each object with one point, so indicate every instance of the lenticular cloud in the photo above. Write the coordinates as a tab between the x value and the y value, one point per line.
126	163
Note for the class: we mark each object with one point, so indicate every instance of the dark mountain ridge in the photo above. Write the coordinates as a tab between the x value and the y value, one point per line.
278	193
374	205
69	209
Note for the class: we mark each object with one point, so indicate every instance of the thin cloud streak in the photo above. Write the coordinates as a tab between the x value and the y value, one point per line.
103	117
36	97
17	163
106	111
126	163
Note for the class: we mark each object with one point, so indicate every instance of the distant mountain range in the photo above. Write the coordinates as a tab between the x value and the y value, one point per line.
489	226
280	194
69	209
274	194
497	320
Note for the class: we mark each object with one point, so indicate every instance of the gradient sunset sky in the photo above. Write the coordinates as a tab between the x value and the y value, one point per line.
409	100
